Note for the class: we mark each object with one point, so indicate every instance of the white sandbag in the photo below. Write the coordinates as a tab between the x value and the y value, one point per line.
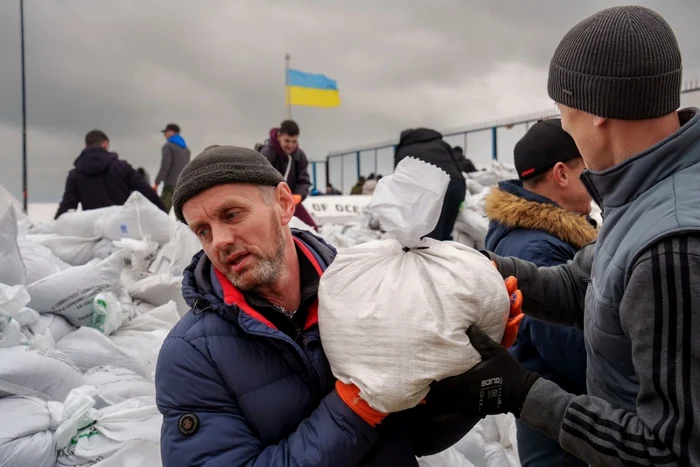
144	344
177	253
37	450
86	224
393	314
88	348
137	219
12	271
48	375
39	261
115	385
162	318
447	458
56	325
140	254
106	430
70	293
75	251
11	333
159	290
25	416
134	453
13	301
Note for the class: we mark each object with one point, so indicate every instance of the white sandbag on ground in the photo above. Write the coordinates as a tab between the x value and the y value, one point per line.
137	219
162	318
56	325
75	251
10	333
37	450
39	261
144	344
177	253
12	271
25	436
107	430
401	308
86	224
159	290
48	375
139	256
134	453
70	293
447	458
115	385
88	348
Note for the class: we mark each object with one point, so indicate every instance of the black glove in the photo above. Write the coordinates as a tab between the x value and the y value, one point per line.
497	384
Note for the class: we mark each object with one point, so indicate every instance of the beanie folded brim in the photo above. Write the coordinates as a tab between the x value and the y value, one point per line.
614	97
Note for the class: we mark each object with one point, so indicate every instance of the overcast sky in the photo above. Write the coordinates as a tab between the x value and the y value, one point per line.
216	67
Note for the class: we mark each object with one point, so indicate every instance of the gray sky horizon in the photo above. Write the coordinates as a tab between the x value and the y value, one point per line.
216	68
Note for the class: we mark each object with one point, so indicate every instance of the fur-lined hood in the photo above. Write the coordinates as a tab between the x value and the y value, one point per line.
516	212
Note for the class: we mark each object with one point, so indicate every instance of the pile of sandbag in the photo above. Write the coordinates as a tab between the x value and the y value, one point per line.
85	304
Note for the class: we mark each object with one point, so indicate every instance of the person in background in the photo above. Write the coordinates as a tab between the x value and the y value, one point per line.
465	165
616	77
144	175
330	190
175	156
101	179
427	145
283	151
542	218
369	185
357	187
242	379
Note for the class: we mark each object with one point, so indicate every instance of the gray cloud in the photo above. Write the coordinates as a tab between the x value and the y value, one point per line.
216	68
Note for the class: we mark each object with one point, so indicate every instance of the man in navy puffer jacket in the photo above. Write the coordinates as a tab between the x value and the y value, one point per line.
242	379
542	218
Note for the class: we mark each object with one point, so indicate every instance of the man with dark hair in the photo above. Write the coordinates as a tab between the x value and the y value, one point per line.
100	179
175	156
466	165
616	77
285	155
542	218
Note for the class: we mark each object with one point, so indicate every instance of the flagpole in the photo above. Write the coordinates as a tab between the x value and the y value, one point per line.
286	86
24	111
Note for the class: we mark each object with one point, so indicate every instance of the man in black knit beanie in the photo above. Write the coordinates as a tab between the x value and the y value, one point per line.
616	77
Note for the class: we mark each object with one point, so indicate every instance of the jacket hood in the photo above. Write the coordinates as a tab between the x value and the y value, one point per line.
274	143
177	140
510	206
94	160
418	135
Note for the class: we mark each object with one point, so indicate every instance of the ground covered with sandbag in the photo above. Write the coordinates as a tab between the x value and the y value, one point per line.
84	309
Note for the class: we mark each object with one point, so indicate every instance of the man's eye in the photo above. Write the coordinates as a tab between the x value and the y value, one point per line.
230	215
202	233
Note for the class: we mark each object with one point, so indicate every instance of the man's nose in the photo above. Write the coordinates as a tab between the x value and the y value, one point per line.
222	236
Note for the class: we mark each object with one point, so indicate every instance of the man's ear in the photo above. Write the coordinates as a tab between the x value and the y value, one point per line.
560	174
285	201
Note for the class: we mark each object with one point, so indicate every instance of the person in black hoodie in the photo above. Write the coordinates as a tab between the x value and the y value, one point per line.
427	145
465	164
100	179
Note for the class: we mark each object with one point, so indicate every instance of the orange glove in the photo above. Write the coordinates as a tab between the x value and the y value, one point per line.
297	199
350	394
155	186
516	312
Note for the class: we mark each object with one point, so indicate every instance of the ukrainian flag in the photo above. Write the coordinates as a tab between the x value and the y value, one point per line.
311	90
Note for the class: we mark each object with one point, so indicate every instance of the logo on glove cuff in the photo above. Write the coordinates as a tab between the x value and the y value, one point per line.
491	382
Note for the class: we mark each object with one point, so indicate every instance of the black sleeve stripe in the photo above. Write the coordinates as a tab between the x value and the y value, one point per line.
602	449
641	454
597	421
686	353
671	317
658	333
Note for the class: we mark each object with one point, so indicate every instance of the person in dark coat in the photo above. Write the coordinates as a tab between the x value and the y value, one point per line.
331	190
465	164
283	151
242	379
428	145
542	218
101	179
357	187
174	157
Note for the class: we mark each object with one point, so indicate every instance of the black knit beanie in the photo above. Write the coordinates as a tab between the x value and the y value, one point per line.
219	165
622	63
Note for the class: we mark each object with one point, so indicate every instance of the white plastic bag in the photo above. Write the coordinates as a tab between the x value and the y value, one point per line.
47	375
12	271
88	348
106	430
107	314
70	293
115	385
393	314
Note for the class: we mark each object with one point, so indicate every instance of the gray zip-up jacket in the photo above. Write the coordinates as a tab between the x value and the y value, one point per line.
635	293
175	158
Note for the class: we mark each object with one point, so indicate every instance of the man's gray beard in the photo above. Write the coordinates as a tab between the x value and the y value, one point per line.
266	271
